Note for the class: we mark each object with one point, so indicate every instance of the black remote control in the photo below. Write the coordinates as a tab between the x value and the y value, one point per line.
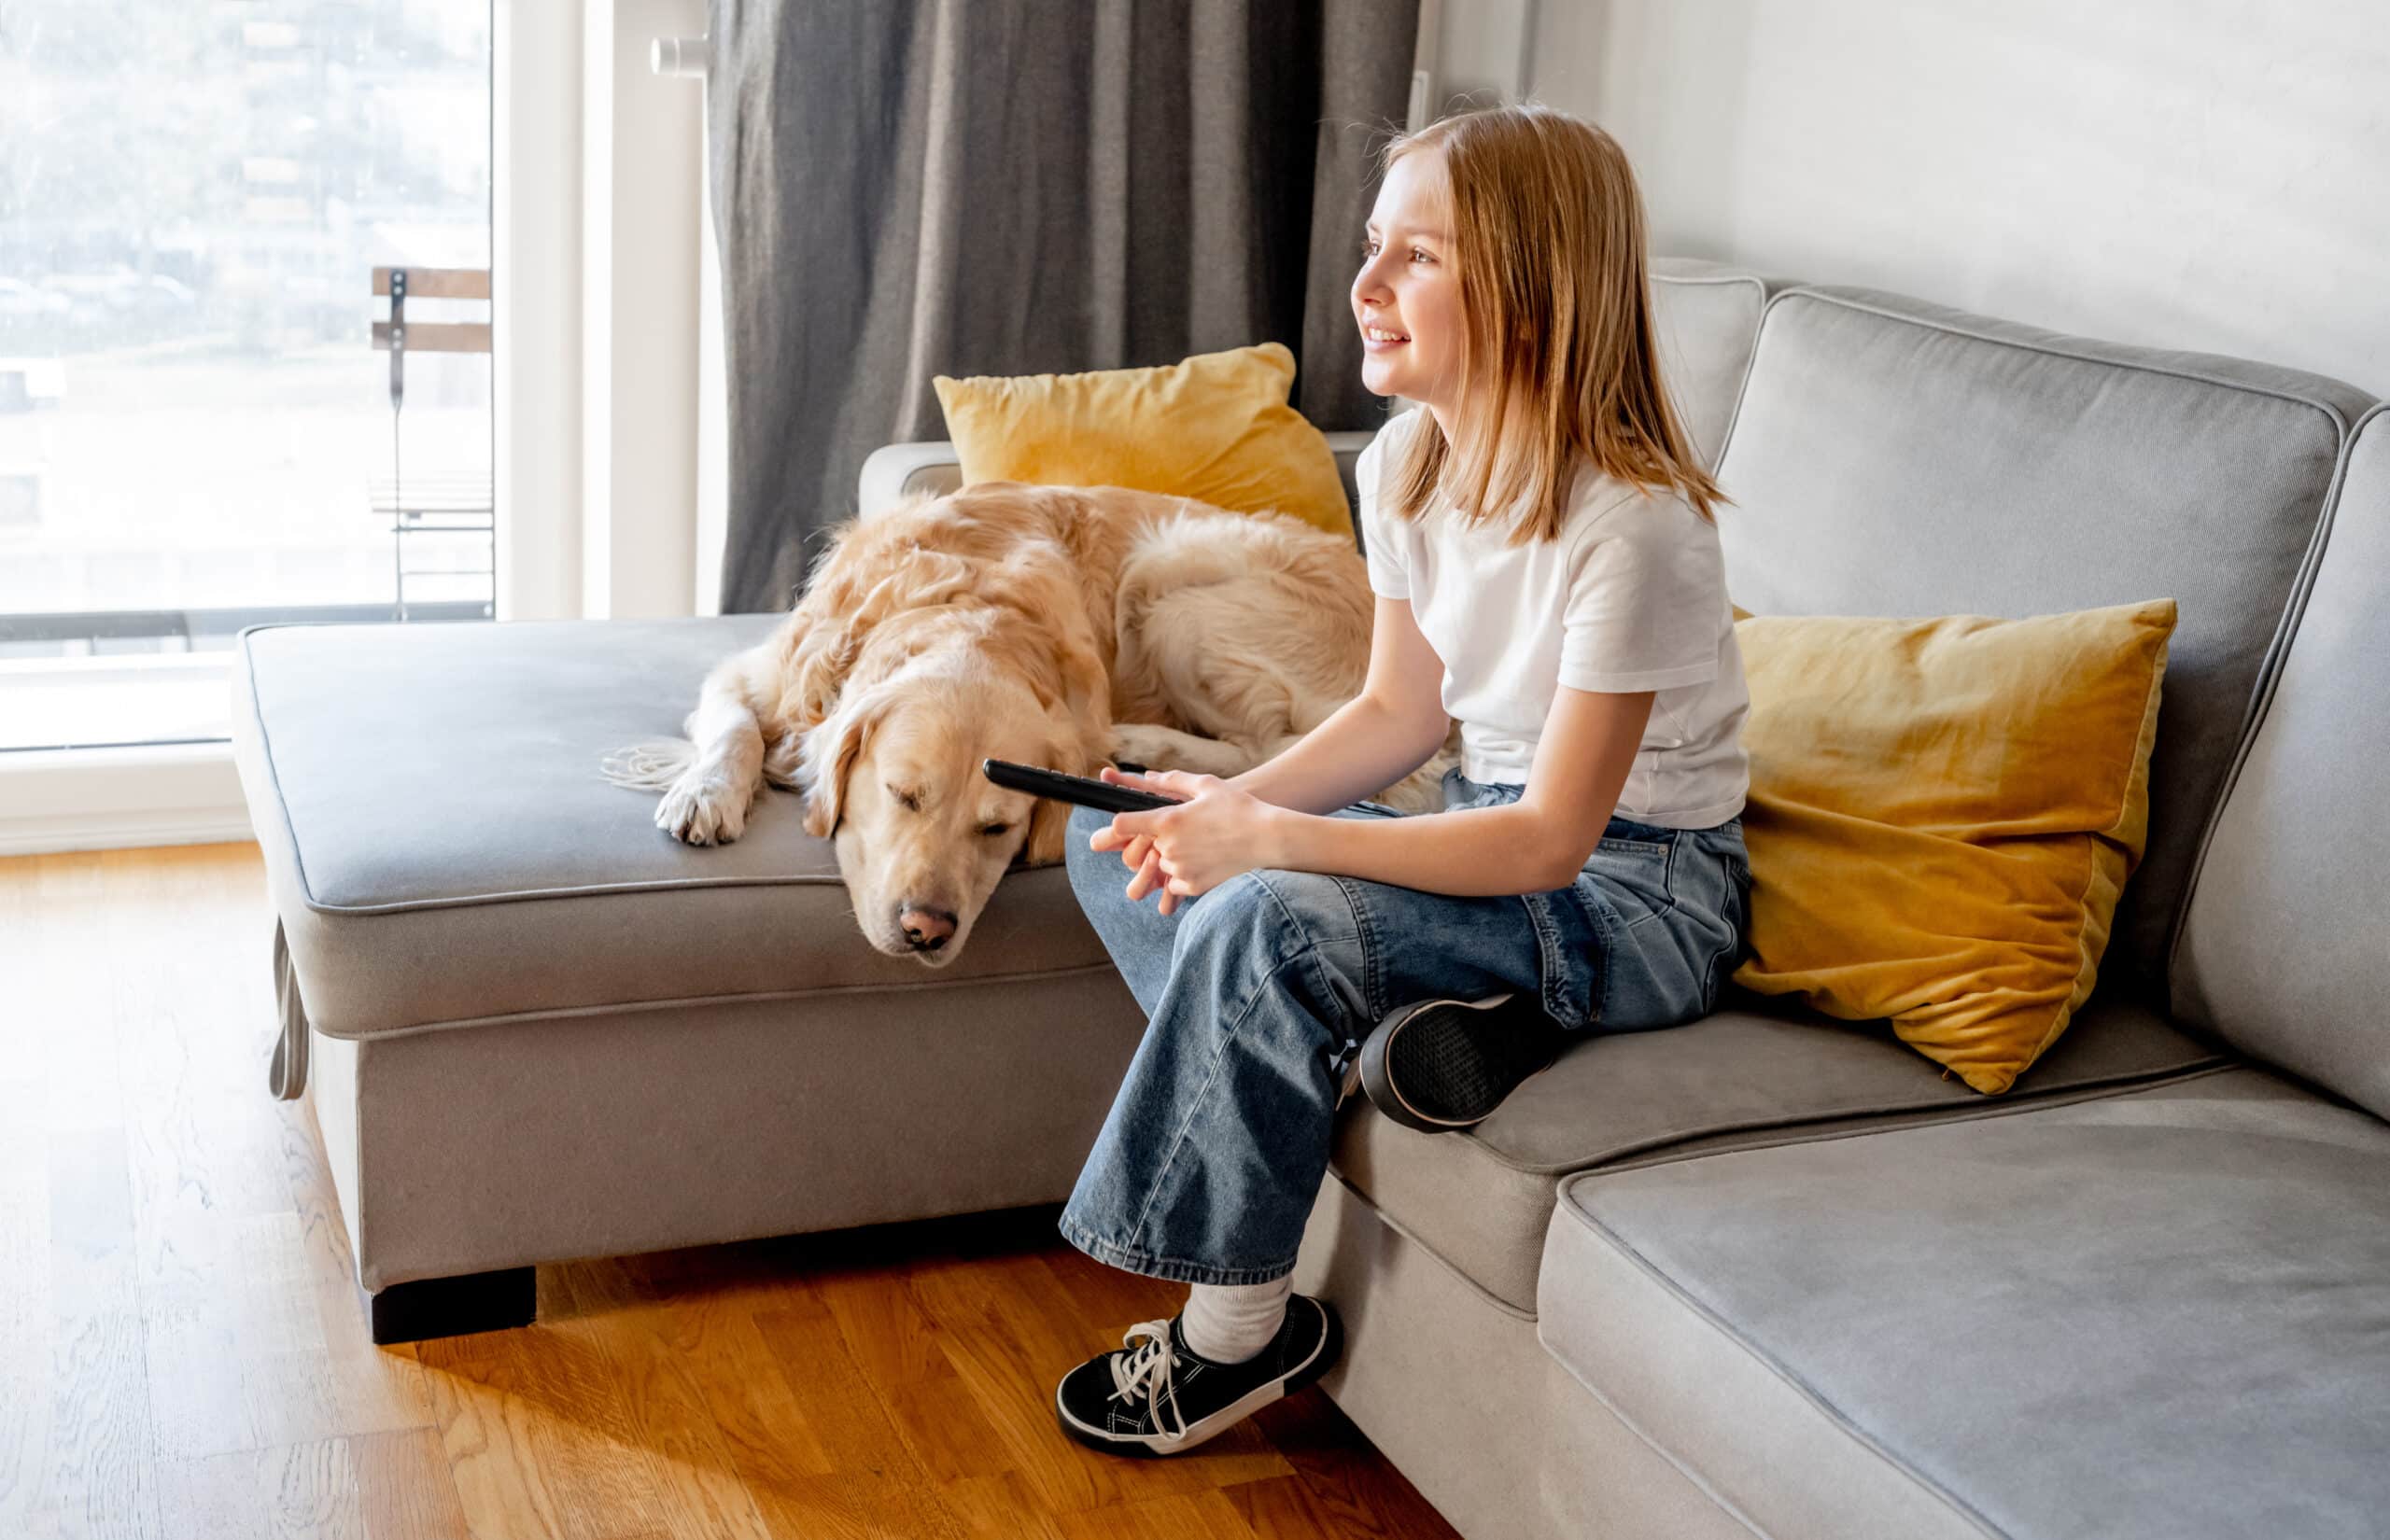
1101	796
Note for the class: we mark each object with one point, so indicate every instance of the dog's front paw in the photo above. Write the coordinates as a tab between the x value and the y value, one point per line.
1141	743
702	809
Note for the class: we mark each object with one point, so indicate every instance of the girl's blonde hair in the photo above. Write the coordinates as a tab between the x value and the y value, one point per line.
1559	363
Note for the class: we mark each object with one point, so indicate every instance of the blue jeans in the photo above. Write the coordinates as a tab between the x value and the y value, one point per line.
1257	992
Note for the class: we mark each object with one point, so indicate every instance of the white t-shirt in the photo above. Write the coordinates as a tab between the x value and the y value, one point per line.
1632	595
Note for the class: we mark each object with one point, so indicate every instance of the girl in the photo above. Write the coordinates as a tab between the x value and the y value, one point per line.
1542	542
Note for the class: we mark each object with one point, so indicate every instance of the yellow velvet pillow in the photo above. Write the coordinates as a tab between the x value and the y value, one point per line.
1214	427
1943	814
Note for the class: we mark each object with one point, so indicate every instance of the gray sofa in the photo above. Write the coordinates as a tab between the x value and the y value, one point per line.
1767	1273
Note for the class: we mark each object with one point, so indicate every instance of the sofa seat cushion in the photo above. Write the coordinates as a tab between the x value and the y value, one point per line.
1760	1072
441	848
2160	1315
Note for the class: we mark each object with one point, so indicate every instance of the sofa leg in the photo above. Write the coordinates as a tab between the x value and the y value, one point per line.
450	1307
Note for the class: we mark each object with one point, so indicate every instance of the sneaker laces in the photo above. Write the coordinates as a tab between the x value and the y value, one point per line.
1148	1371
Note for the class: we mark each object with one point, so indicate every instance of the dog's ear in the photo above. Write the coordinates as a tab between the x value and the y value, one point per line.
1074	753
1087	696
828	754
1085	701
1049	819
1050	825
1069	677
846	603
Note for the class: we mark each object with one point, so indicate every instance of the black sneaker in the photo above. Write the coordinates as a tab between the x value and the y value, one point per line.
1448	1063
1155	1396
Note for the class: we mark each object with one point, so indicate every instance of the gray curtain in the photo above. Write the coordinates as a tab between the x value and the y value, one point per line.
911	188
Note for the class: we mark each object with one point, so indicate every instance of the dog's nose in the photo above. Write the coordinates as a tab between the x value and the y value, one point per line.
925	929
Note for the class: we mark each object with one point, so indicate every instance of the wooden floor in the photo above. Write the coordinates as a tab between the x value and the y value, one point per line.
183	1351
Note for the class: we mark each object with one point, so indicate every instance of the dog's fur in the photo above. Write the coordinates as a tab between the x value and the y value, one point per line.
1062	626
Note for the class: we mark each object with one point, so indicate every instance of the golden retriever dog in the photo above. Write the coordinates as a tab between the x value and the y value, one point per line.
1060	626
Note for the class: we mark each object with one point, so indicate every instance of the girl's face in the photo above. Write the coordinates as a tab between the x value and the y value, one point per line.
1407	296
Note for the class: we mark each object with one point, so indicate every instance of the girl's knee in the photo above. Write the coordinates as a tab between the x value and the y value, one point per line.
1289	909
1238	903
1317	902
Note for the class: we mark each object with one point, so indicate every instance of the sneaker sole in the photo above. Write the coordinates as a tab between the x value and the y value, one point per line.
1513	1012
1160	1446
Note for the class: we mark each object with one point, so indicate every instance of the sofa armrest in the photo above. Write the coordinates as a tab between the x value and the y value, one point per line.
896	471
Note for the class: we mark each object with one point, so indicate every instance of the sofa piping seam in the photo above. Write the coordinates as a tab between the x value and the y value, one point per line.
1699	1482
1714	280
1575	1164
562	1013
1398	1227
2331	413
1743	380
272	770
2074	1096
615	889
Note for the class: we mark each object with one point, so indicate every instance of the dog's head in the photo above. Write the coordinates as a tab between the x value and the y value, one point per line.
891	775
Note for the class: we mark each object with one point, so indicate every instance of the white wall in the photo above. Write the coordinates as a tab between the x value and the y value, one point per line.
2211	174
1479	48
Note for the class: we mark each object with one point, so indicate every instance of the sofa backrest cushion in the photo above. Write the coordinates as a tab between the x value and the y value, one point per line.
2285	951
1894	457
1707	317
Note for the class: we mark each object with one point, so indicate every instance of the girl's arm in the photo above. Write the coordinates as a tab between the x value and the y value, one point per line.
1391	728
1532	845
1357	752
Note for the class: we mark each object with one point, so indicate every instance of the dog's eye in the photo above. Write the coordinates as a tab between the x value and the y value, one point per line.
995	827
910	799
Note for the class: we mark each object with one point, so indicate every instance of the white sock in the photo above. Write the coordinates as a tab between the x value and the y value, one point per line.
1229	1323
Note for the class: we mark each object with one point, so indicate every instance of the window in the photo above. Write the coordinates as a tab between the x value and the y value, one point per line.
197	433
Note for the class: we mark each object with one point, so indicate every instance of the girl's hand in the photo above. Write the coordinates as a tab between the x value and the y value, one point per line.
1137	854
1216	832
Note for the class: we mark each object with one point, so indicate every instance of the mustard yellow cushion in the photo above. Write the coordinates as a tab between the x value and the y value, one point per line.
1214	427
1943	814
